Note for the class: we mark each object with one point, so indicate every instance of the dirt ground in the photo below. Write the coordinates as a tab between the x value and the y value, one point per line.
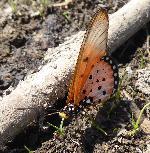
27	29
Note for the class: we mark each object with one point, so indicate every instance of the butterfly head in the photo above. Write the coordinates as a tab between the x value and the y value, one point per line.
69	111
72	109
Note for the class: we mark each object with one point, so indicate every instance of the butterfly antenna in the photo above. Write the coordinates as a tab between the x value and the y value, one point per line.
53	113
62	114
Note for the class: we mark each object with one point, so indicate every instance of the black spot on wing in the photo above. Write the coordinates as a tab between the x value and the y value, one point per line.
85	59
103	79
90	77
104	92
97	80
91	99
84	91
99	88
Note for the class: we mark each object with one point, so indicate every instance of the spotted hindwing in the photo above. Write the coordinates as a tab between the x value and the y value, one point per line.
101	83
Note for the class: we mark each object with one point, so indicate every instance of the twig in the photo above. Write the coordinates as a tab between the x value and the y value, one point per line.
65	3
127	95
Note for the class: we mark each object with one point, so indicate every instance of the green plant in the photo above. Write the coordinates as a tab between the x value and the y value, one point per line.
111	110
136	124
28	149
115	129
117	95
142	62
44	6
13	5
27	2
44	3
94	124
60	129
66	15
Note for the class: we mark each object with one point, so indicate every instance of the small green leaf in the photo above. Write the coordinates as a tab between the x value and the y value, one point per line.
28	149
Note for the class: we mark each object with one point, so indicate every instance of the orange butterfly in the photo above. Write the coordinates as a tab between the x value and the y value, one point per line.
96	76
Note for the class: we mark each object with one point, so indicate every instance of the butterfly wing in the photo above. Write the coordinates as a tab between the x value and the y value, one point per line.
93	48
101	82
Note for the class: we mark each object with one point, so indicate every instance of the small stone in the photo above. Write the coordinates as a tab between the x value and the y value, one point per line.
129	70
143	82
145	125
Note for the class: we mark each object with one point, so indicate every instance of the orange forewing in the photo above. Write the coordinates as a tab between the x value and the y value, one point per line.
93	48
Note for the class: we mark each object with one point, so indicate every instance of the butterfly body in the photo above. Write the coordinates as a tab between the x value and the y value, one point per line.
96	75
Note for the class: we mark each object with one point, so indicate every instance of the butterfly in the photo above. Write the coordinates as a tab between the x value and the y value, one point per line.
96	75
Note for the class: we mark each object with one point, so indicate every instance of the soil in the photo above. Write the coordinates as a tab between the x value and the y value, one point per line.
25	37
